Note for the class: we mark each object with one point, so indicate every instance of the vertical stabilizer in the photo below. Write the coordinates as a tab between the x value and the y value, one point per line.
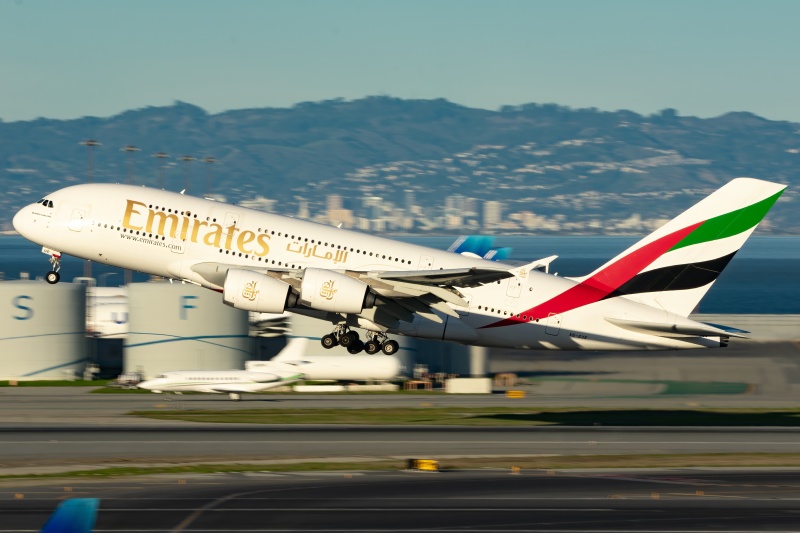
673	267
294	350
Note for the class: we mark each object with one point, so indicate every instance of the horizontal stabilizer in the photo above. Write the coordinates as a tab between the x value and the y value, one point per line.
687	328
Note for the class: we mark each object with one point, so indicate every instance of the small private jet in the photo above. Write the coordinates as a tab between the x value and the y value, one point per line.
291	365
261	262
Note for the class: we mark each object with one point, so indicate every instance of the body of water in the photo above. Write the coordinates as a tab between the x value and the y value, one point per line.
761	279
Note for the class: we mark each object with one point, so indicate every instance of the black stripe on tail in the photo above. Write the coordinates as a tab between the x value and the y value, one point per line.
674	277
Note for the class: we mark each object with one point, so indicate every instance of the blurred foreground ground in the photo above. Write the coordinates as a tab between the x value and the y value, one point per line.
745	374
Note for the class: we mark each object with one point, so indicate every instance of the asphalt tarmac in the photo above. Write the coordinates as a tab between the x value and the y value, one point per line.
52	430
24	449
475	501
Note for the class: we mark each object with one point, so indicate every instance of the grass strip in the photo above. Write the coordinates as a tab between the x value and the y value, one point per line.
491	416
566	462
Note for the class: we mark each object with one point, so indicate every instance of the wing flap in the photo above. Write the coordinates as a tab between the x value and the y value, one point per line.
454	277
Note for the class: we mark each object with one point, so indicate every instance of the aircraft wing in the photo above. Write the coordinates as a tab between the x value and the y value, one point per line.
454	277
401	293
423	292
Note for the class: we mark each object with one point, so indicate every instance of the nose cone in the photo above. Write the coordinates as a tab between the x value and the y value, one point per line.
145	384
21	221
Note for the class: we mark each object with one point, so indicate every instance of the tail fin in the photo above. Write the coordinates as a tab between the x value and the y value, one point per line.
674	267
295	349
73	516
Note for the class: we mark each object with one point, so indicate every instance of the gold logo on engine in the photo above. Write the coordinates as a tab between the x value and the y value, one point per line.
250	291
327	290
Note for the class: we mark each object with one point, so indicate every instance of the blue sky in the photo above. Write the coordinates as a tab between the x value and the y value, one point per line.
66	59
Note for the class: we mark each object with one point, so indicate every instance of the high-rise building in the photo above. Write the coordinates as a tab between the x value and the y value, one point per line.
334	202
492	214
411	201
302	209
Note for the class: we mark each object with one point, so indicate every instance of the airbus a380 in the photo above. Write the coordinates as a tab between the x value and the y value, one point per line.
639	300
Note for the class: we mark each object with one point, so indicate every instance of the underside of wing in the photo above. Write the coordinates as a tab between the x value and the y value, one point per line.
427	293
400	295
455	277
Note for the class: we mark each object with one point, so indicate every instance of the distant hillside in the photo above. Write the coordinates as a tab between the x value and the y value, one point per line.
554	169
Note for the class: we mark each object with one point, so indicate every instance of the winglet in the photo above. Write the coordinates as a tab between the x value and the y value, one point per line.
539	263
73	516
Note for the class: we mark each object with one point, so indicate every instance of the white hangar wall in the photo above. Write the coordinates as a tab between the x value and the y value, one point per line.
175	326
42	330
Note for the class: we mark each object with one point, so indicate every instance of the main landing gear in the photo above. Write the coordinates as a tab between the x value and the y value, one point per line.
350	340
53	276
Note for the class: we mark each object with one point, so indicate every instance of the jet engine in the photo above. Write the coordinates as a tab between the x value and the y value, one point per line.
332	291
252	291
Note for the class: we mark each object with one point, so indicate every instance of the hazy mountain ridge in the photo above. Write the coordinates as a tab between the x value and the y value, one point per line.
561	164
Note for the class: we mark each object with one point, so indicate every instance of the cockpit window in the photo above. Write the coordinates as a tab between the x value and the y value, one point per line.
50	203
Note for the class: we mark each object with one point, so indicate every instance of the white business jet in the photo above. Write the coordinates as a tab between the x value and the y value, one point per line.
639	300
292	364
230	382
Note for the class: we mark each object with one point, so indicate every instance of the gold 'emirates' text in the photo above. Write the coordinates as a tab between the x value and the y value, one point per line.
185	228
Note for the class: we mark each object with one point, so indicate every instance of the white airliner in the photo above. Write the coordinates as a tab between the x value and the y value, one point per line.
289	366
262	262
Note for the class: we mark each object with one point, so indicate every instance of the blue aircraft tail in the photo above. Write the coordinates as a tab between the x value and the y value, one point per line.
481	246
73	516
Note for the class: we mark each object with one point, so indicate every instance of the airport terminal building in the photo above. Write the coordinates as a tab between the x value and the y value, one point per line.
59	331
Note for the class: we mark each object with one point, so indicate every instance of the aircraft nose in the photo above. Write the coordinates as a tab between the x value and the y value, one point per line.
149	384
21	221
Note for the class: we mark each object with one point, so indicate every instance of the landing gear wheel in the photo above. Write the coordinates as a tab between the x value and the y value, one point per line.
390	347
355	347
372	347
329	341
52	277
346	339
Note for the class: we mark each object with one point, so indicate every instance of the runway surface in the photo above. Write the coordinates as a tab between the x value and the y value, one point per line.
48	430
489	501
27	447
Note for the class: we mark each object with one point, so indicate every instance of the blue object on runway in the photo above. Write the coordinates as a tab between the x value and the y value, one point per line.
73	516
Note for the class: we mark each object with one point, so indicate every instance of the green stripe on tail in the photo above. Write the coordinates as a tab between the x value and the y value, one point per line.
729	224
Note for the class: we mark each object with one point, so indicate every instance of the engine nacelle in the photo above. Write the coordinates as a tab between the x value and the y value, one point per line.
252	291
331	291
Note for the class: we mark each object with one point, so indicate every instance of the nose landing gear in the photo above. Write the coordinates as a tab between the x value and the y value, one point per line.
53	276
